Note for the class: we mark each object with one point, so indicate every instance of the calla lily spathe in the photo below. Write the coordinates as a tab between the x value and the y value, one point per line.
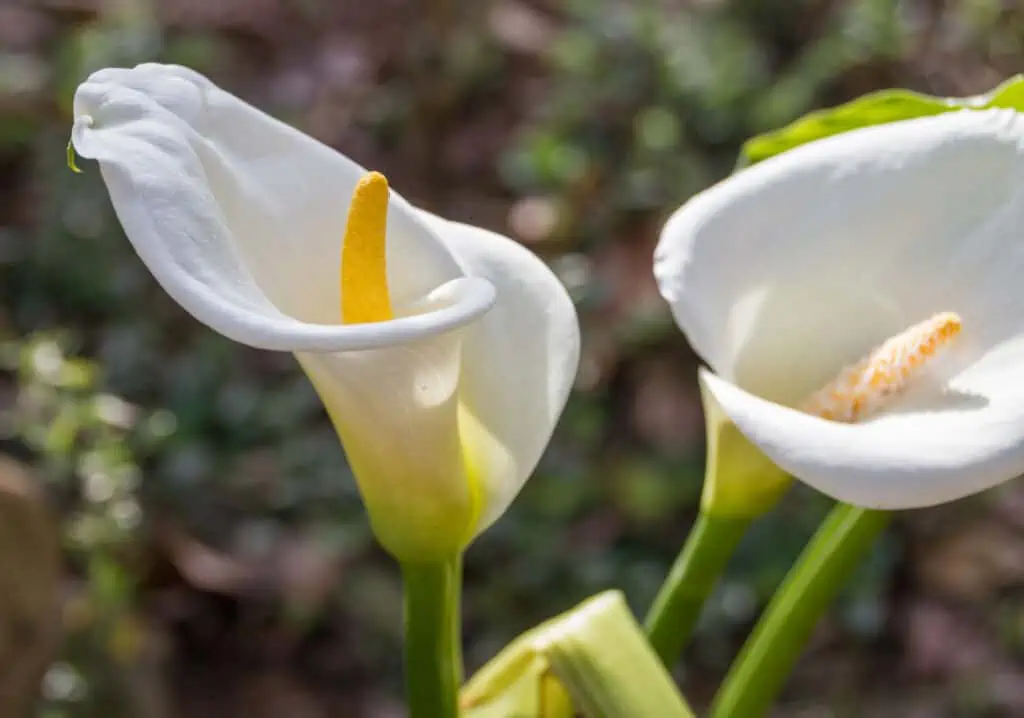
444	409
796	267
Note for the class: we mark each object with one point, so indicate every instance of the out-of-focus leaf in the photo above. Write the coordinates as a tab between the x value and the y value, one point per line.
877	108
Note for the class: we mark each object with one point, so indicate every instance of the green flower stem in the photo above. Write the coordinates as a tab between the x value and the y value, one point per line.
674	613
433	653
841	542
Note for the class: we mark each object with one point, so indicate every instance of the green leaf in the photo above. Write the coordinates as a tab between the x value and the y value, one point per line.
876	108
596	653
517	683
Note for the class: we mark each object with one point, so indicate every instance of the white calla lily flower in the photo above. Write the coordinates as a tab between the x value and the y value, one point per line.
444	353
790	270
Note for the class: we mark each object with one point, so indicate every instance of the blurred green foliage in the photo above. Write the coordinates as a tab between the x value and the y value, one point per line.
84	441
575	125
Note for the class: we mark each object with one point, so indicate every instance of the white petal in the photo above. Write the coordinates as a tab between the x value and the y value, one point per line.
786	271
901	460
240	217
519	361
397	412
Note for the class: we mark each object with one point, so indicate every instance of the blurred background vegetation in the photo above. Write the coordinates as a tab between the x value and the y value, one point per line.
213	555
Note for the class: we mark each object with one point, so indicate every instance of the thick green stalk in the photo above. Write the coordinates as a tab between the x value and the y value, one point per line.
841	542
433	653
677	607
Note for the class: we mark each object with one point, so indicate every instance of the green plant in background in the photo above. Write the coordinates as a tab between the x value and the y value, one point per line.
744	68
89	443
875	109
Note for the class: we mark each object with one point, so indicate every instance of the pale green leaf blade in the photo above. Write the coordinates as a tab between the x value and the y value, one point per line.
876	108
598	653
